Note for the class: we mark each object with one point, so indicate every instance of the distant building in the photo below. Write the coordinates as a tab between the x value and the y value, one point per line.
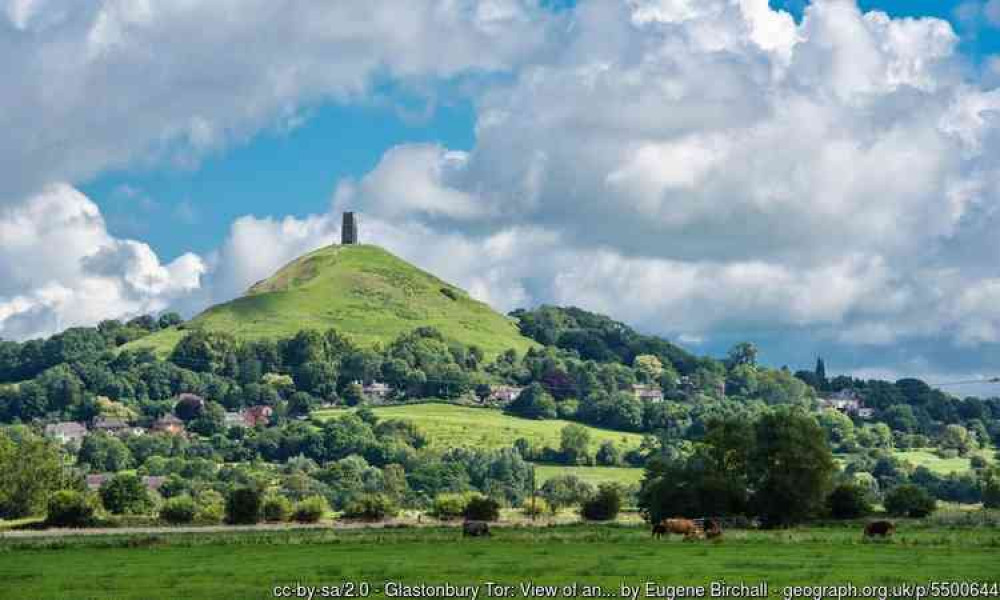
169	424
111	425
153	482
846	401
377	391
66	432
349	230
257	415
504	394
647	392
95	481
233	419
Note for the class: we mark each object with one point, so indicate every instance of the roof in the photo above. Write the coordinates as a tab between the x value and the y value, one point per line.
68	427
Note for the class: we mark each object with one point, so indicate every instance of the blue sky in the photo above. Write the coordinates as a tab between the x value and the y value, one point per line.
706	170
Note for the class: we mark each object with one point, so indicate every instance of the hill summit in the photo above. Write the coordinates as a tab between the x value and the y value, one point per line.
362	291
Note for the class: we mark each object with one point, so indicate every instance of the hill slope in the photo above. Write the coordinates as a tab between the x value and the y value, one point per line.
362	291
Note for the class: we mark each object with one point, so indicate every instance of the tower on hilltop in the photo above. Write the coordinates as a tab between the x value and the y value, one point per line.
349	230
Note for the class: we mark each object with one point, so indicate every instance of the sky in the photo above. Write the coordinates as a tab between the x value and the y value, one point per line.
818	177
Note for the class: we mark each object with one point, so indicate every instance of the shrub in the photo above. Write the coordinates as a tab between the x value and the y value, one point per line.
535	508
481	508
910	501
126	494
978	462
450	506
310	510
69	508
277	508
848	501
991	494
243	506
605	505
178	510
211	507
370	507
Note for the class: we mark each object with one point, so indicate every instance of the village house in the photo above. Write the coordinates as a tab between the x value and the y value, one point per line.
96	480
503	394
233	419
257	415
169	424
111	425
647	392
377	391
66	432
847	401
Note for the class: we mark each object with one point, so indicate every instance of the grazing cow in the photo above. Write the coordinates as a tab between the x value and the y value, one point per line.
686	527
879	528
713	529
476	529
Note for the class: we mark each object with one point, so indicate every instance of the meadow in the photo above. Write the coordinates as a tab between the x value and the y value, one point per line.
249	565
452	426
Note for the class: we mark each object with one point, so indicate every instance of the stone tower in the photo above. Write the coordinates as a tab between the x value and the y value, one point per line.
349	230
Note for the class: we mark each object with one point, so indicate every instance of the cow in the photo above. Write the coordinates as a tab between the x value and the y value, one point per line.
686	527
879	528
476	529
713	529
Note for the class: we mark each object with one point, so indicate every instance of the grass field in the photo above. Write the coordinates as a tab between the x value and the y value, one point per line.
941	466
592	475
249	566
451	426
364	292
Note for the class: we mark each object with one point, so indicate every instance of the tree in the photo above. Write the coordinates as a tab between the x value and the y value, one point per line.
839	428
179	510
125	494
744	353
244	506
820	371
648	367
956	437
533	403
609	455
30	470
909	501
70	508
481	508
169	319
848	501
575	444
790	467
565	490
900	417
277	508
605	505
310	509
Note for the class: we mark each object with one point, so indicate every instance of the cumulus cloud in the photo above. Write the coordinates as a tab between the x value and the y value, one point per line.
59	267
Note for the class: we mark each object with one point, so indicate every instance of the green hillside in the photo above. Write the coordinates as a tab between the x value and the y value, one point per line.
450	426
362	291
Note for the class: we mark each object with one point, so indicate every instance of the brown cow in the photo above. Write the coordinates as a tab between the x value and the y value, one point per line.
686	527
879	528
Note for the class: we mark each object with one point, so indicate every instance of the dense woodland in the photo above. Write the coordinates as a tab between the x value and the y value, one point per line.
584	370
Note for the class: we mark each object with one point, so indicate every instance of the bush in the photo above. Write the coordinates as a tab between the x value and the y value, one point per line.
371	507
848	501
540	507
69	508
243	506
450	506
909	501
211	507
991	494
277	508
126	494
178	510
310	510
605	505
481	508
978	462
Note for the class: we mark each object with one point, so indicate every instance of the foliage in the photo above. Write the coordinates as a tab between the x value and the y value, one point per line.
909	501
244	506
125	494
566	490
605	505
371	507
450	505
276	508
848	501
30	470
482	508
179	510
71	508
310	510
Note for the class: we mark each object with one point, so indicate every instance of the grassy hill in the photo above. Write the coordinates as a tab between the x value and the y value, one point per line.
364	292
450	426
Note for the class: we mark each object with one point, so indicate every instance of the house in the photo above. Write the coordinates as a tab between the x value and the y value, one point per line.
66	432
95	481
257	415
153	482
503	394
647	392
233	419
111	425
846	401
866	413
169	424
377	391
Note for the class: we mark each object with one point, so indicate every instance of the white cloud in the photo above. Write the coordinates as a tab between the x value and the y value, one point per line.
59	267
